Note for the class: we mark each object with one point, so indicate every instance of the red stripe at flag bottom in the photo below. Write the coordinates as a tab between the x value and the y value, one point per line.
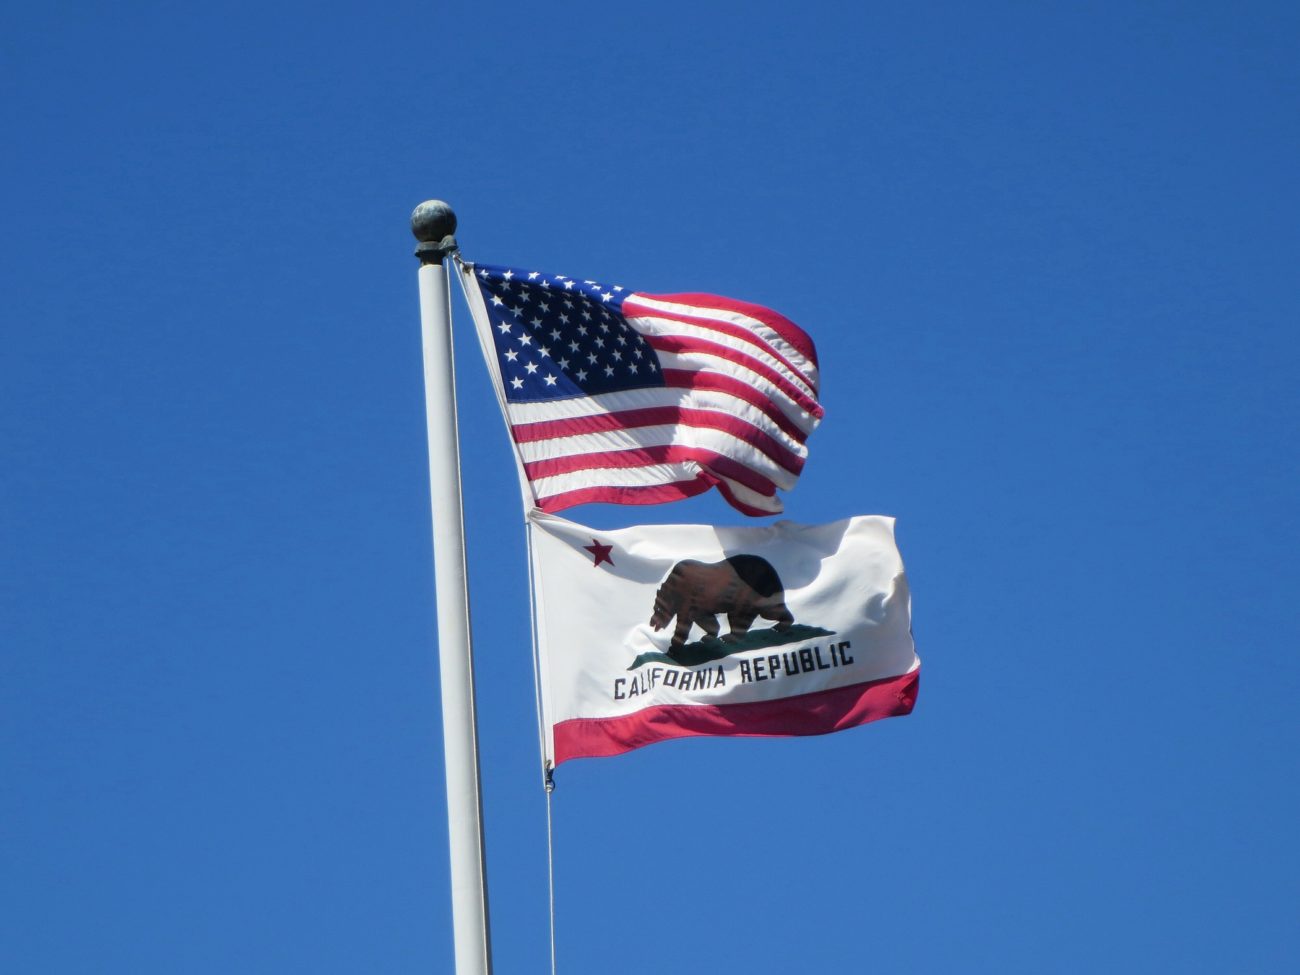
816	713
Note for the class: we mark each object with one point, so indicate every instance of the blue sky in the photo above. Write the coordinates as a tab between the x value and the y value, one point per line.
1048	255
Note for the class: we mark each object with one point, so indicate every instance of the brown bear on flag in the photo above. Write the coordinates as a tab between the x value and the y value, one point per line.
744	587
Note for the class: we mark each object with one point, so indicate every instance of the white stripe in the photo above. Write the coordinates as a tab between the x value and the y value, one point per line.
661	436
628	438
649	476
658	396
653	476
720	365
704	402
671	327
760	329
744	495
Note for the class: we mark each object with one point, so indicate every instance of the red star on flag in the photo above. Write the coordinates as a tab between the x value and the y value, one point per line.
600	553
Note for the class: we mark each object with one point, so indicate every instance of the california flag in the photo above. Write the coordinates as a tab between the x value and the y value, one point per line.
671	631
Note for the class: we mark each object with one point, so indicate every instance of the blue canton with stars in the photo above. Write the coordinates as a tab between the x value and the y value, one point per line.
558	338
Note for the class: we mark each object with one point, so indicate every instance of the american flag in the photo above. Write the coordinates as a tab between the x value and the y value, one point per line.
626	398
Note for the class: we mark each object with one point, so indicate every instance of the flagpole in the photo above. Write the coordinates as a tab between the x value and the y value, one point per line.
434	224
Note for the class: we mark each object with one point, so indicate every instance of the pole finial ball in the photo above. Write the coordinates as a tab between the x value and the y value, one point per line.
432	221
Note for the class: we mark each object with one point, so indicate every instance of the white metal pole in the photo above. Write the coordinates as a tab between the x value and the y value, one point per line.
434	224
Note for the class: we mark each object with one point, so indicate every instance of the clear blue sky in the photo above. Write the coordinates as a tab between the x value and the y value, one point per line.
1048	254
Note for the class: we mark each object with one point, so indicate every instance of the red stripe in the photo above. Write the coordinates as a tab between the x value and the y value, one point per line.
738	332
716	382
645	457
650	416
657	416
688	344
777	322
648	494
744	507
817	713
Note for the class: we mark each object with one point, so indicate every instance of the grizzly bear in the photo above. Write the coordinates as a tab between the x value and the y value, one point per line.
743	586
